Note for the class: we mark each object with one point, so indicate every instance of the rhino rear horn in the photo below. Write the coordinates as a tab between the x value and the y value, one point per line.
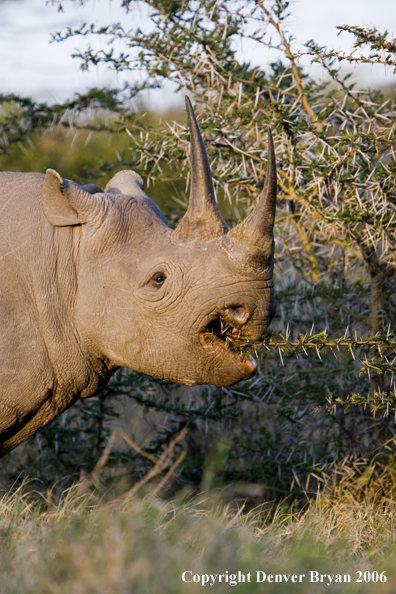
203	220
252	240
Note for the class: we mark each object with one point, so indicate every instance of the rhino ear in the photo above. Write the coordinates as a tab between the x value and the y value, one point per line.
126	182
66	203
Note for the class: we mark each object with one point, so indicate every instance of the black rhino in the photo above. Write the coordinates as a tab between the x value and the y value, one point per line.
93	280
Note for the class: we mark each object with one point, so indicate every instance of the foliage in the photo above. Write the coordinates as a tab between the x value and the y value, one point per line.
20	116
381	49
335	235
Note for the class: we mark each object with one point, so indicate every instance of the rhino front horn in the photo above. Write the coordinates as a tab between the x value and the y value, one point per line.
203	220
252	240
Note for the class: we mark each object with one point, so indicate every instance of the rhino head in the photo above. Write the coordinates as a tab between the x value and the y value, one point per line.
154	299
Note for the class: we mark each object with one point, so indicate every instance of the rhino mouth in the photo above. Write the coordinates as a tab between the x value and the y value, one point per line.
225	341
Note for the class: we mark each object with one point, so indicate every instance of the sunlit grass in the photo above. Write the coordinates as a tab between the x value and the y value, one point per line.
144	545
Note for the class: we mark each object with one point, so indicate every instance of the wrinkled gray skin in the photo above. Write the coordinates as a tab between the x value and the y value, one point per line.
91	281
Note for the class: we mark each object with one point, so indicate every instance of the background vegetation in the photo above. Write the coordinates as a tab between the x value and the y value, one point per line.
320	416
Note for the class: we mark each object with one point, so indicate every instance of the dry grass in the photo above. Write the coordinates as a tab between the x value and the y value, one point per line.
83	545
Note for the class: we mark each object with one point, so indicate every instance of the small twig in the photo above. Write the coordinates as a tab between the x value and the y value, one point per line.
161	464
101	463
171	470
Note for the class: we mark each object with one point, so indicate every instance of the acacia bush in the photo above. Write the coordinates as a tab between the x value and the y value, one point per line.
323	404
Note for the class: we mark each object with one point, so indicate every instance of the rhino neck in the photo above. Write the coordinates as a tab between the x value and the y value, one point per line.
78	372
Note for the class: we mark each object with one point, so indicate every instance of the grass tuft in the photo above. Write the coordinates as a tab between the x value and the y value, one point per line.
83	545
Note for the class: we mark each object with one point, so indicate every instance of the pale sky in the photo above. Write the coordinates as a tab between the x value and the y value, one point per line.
30	65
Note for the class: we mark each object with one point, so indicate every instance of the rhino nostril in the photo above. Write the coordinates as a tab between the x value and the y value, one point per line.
237	314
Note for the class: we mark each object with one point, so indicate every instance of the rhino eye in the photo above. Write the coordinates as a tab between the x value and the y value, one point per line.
157	280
